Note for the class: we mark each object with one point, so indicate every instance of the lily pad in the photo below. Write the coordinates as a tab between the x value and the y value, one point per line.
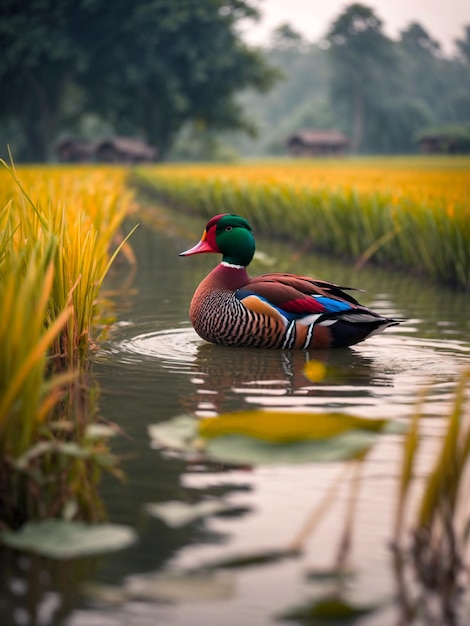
179	433
180	587
250	437
330	609
284	427
61	539
253	558
176	513
238	449
174	587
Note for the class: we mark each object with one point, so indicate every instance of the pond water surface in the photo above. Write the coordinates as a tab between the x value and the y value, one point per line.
153	367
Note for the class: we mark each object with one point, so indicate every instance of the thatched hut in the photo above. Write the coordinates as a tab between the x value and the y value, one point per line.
124	150
308	143
74	150
445	139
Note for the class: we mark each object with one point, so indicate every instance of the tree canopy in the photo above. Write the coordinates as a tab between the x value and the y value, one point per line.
362	60
146	66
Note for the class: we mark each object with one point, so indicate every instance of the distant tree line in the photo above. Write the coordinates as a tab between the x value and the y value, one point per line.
177	74
380	92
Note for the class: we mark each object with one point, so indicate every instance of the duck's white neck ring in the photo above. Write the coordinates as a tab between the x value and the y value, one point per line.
232	265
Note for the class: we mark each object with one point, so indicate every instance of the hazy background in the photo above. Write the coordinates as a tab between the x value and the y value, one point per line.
444	19
206	80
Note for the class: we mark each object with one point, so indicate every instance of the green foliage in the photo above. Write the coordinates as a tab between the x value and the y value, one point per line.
463	46
197	143
363	60
147	67
299	100
332	609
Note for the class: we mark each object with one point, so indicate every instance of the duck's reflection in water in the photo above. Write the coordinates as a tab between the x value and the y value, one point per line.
277	378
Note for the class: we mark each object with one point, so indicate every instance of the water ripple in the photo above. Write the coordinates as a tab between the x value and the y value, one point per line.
175	348
386	372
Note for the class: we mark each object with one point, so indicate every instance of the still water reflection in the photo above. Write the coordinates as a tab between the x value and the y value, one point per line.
153	367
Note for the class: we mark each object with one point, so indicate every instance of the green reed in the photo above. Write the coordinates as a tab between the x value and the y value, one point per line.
437	545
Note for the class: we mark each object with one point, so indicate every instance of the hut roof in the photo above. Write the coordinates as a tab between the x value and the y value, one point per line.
74	143
127	145
319	137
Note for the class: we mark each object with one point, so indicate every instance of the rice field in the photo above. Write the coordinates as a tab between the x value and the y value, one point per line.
406	213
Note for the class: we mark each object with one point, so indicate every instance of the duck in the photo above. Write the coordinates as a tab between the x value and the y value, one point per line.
277	310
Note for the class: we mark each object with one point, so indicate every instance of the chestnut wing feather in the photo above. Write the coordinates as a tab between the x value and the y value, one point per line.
299	295
305	285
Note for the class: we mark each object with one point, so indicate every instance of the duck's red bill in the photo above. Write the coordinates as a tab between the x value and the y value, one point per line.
202	246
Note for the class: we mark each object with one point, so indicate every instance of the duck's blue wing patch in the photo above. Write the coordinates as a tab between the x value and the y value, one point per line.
294	308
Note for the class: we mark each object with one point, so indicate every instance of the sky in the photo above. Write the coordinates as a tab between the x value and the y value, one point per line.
443	19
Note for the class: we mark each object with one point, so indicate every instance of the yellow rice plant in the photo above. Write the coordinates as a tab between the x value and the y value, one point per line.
409	213
26	397
57	233
83	209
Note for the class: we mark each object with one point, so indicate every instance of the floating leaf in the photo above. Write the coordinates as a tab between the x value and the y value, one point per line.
110	595
197	586
178	433
279	427
247	450
180	587
258	557
272	437
61	539
337	573
330	609
176	513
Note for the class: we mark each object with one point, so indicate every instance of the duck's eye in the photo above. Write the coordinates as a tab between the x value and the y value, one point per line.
228	228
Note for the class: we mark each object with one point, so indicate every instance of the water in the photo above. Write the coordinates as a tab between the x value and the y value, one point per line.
152	367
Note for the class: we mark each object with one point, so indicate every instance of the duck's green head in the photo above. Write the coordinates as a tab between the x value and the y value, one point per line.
229	235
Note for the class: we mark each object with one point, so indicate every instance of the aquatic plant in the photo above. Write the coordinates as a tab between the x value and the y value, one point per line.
405	213
436	547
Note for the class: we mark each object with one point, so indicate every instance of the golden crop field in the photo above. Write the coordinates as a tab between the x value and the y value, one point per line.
411	213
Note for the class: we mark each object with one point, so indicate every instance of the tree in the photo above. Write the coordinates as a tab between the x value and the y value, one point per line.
463	45
284	37
362	59
441	84
421	64
147	66
38	58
